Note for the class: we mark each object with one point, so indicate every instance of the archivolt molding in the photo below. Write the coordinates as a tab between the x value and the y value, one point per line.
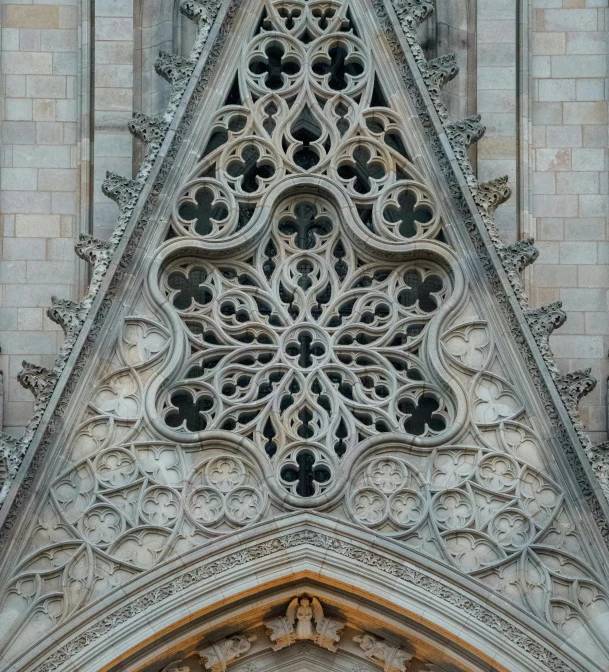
436	601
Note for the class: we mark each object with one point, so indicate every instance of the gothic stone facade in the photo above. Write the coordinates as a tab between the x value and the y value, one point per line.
305	410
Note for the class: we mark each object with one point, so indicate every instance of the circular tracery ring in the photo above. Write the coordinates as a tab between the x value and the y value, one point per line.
260	358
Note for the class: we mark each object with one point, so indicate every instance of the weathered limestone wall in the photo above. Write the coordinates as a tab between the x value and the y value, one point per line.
113	104
496	77
40	184
569	184
536	72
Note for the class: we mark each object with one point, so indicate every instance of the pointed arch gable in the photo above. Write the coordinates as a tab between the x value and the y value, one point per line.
472	490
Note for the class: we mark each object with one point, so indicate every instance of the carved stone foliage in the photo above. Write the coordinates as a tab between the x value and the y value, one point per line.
304	620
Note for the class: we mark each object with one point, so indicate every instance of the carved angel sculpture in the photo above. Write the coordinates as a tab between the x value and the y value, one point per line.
217	656
311	624
391	658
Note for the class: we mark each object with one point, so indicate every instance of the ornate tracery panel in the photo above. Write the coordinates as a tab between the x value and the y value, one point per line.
307	339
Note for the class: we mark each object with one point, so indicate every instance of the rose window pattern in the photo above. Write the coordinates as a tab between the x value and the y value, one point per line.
306	340
304	317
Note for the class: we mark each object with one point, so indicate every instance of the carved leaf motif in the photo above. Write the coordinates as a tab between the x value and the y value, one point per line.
142	340
206	505
453	509
160	506
74	491
101	525
452	467
116	467
511	529
497	472
407	508
161	463
118	395
539	498
369	506
141	547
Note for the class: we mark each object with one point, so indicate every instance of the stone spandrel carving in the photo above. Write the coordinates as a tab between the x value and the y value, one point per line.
217	656
304	621
390	657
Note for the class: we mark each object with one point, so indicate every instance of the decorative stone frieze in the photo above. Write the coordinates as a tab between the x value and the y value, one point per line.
150	130
573	386
518	256
515	258
69	315
36	379
92	250
120	189
390	657
198	12
176	70
97	253
598	454
217	656
461	134
173	68
11	454
304	621
488	197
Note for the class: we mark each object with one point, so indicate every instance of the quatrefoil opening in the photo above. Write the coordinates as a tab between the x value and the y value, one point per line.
273	66
203	210
305	473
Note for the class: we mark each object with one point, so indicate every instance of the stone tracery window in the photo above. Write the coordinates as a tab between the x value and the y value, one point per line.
307	340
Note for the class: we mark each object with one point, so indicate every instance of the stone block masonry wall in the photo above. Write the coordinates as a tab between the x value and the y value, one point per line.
496	102
113	104
39	185
569	185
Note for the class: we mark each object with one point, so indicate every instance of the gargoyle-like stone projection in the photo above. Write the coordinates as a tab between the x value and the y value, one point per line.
308	328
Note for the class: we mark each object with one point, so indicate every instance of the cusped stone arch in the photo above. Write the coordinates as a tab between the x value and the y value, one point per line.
233	587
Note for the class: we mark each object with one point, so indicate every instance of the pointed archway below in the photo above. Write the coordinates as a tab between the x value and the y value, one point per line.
234	585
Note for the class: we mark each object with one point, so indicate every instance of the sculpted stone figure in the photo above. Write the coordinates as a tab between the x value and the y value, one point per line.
391	658
217	656
308	616
176	667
